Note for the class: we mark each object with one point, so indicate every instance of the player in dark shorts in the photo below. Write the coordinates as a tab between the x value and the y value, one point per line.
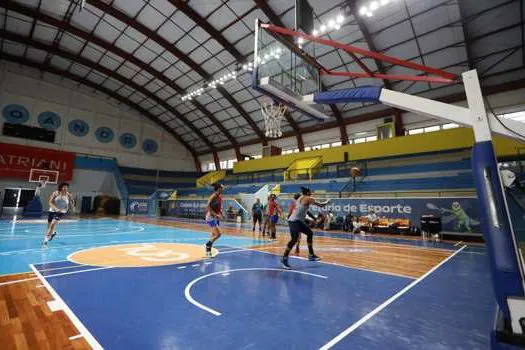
59	203
257	215
213	216
274	211
297	223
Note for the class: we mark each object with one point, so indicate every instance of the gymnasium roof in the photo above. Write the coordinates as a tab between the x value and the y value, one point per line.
147	54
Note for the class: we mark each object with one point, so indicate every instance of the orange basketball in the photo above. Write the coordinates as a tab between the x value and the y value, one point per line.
355	172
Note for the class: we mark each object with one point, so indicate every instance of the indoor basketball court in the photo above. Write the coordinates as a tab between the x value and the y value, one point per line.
293	174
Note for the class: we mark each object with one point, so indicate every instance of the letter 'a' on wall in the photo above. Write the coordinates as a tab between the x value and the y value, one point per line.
78	127
49	120
150	146
104	134
15	114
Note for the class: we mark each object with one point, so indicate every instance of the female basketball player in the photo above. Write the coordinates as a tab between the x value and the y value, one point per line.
274	211
59	204
213	216
291	208
298	225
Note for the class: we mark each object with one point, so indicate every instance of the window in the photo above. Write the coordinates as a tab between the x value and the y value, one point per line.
416	131
432	128
316	147
211	166
259	156
450	126
360	140
306	149
230	164
371	138
337	144
296	150
326	145
223	164
519	116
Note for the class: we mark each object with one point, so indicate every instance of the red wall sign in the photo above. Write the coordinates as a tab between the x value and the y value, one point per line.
16	161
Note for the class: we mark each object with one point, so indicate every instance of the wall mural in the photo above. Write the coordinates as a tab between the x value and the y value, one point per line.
15	114
150	146
104	134
128	140
49	120
78	127
18	114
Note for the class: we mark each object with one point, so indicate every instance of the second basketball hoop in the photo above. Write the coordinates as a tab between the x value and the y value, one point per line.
273	114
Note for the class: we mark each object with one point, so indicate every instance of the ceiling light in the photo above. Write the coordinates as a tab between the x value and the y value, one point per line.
384	2
373	6
337	26
369	14
300	40
331	23
341	18
322	29
363	10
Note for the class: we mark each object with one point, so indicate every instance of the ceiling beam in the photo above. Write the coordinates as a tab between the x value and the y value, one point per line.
274	18
102	6
89	37
37	65
54	50
204	24
452	98
466	36
352	4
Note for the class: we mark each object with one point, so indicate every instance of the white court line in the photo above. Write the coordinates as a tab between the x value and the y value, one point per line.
18	281
74	319
187	290
40	286
389	301
60	268
181	267
55	275
76	337
195	265
324	262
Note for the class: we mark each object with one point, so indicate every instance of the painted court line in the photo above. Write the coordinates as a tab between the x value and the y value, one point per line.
55	275
76	337
325	263
74	319
187	290
389	301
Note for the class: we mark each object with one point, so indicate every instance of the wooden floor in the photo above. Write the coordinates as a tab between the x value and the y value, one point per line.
397	259
26	322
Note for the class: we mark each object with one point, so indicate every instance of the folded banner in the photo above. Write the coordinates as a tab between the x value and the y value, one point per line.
16	161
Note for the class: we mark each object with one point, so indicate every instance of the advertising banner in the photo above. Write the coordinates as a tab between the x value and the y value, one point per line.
457	214
194	208
16	161
138	206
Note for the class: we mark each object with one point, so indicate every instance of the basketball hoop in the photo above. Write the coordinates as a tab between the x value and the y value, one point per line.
273	115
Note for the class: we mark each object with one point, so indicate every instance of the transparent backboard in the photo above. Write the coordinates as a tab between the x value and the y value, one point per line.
284	72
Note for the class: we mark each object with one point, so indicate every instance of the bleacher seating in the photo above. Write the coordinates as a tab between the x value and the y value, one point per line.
228	190
146	181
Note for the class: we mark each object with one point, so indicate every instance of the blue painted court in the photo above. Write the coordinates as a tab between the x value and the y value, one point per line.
241	299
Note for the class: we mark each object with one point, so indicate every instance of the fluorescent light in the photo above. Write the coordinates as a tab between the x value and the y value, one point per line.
300	40
322	29
337	26
340	19
315	32
374	5
384	2
363	10
369	14
331	23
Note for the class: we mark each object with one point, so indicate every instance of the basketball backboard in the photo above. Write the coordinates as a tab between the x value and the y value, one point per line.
285	73
43	176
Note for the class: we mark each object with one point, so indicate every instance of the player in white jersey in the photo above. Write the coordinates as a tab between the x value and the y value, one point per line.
59	204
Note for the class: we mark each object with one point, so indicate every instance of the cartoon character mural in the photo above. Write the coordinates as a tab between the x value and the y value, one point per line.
463	223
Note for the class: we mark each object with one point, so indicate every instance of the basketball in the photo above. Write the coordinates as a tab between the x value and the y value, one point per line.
355	171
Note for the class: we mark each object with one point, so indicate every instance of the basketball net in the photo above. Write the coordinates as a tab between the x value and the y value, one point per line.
273	115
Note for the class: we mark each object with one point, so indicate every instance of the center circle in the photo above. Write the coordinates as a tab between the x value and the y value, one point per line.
140	255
